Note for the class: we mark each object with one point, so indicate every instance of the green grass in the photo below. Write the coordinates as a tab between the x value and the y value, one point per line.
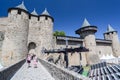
85	71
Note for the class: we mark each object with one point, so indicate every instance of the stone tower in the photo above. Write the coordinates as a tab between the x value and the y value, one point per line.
46	30
111	34
34	37
15	44
87	32
40	32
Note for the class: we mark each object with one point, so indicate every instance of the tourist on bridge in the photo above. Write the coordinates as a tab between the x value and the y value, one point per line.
28	59
35	61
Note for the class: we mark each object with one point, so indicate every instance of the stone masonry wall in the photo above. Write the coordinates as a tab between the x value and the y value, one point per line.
15	44
115	44
60	73
3	23
46	32
73	58
103	49
35	34
41	33
1	43
90	43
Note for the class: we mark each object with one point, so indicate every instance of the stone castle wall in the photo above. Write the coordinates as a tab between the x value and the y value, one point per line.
46	33
113	36
115	44
41	33
73	58
21	29
3	24
104	49
15	44
35	34
90	43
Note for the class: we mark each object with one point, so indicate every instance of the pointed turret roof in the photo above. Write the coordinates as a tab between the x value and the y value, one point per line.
109	29
85	23
22	6
34	12
45	12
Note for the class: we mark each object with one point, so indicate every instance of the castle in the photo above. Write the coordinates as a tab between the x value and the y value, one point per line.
22	31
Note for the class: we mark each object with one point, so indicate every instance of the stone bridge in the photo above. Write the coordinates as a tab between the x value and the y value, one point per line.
45	71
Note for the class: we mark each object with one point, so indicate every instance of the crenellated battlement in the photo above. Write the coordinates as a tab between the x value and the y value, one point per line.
28	15
46	17
17	11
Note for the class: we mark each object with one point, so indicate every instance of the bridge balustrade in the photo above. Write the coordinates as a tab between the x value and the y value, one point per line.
7	72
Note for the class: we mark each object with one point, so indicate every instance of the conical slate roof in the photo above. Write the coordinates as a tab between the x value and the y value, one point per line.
22	6
109	29
34	12
85	23
45	12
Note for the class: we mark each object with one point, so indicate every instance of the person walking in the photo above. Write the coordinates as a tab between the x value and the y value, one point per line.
35	61
28	60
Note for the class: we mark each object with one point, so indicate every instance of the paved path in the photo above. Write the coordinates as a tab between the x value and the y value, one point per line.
25	73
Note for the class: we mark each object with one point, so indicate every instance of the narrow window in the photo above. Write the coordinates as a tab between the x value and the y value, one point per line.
19	12
46	18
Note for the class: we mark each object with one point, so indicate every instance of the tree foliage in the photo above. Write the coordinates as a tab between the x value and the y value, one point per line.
59	33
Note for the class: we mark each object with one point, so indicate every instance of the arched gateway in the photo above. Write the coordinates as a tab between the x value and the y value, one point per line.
31	45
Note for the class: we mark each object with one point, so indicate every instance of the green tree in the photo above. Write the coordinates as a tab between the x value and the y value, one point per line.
59	33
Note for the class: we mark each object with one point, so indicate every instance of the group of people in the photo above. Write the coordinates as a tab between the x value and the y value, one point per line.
32	58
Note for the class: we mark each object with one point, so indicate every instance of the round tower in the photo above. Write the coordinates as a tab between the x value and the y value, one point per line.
15	44
34	37
112	35
46	23
87	32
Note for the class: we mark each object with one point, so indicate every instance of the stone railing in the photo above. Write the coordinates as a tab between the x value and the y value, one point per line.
60	73
7	72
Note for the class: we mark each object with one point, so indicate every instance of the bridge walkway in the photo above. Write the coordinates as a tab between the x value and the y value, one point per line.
31	73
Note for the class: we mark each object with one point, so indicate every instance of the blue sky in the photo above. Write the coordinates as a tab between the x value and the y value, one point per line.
69	14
